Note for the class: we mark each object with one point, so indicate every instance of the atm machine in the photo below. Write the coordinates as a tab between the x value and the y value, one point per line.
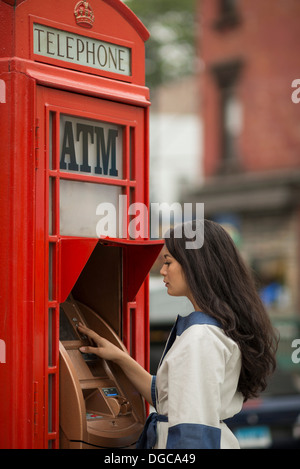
99	407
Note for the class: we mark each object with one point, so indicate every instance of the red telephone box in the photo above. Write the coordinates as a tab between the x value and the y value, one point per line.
74	145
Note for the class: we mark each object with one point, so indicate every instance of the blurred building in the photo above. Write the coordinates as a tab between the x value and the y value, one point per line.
175	164
251	129
175	139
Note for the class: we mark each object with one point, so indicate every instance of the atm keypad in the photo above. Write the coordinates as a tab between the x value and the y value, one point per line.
89	357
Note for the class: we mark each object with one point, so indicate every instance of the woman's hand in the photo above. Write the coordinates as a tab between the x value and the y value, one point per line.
103	348
139	377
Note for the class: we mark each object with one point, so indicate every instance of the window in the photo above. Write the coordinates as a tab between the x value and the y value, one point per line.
231	114
228	14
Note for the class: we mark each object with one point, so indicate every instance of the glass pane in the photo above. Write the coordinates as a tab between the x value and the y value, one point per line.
50	404
50	272
91	147
132	331
90	210
51	184
132	153
50	336
51	143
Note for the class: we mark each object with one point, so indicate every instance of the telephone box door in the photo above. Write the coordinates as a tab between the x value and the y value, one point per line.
90	167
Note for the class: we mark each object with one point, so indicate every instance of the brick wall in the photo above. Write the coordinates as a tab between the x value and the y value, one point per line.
267	40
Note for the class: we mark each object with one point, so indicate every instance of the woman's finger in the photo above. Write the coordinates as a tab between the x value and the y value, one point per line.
92	334
94	350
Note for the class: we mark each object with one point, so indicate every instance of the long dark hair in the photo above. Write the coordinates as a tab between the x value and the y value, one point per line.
223	287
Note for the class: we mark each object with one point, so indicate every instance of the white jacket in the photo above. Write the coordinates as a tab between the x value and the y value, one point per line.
195	388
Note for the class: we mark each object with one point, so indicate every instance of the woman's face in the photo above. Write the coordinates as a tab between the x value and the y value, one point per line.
173	275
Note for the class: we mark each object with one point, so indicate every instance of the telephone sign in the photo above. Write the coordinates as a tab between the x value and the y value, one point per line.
80	50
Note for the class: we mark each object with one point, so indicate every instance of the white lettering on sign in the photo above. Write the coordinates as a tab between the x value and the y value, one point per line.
91	147
81	50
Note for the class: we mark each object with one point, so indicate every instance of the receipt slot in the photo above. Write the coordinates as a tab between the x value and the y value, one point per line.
74	181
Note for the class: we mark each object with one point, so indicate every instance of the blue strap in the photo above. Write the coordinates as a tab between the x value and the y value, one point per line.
147	439
153	390
183	323
194	318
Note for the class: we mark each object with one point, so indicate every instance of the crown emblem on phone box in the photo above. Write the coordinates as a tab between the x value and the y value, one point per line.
84	15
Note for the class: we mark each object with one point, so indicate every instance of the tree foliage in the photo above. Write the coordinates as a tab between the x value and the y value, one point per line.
170	50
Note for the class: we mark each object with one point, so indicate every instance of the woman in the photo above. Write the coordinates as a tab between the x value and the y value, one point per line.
216	358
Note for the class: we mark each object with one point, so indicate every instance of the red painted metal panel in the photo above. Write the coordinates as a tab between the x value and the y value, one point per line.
17	257
69	80
113	19
138	258
74	254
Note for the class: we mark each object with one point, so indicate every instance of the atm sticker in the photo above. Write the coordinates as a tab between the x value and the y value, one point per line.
92	416
110	392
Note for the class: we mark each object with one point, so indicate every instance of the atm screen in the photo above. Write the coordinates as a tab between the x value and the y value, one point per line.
66	331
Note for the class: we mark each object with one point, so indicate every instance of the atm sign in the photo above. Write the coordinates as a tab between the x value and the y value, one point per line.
91	147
